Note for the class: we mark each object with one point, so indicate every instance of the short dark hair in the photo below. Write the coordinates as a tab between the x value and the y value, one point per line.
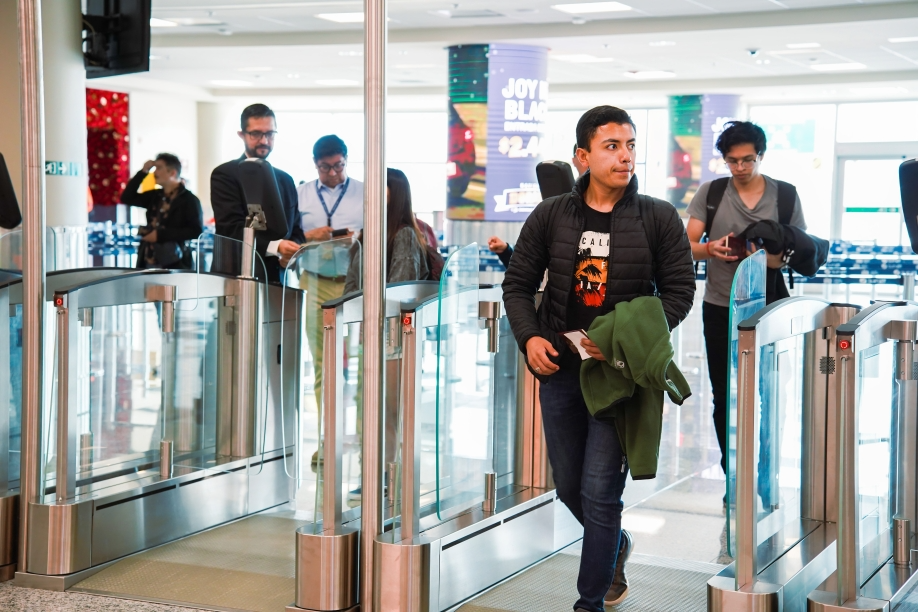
328	146
594	118
741	132
257	111
172	162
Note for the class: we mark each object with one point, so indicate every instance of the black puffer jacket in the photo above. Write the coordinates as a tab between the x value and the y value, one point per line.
549	240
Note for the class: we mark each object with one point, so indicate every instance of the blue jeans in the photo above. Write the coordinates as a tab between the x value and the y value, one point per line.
589	469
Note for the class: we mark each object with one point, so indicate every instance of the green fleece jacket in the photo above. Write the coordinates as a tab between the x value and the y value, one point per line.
628	387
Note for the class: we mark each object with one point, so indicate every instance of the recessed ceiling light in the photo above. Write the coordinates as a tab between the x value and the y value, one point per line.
161	23
803	45
878	91
230	83
662	43
583	8
337	82
650	74
413	66
581	58
159	57
350	53
255	69
903	39
342	17
838	67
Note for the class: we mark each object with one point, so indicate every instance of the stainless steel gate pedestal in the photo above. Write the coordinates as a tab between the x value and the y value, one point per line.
326	570
824	601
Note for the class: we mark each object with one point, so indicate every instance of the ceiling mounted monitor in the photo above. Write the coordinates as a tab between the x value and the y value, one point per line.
116	37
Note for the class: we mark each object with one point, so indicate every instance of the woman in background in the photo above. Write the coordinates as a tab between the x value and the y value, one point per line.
406	245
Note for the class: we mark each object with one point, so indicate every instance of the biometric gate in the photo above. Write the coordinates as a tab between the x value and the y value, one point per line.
471	506
876	480
784	537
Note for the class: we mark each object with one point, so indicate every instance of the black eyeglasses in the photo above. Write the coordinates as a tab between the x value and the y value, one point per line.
258	135
741	163
326	168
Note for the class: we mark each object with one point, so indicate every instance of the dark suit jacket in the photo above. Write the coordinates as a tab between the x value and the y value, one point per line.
228	201
183	222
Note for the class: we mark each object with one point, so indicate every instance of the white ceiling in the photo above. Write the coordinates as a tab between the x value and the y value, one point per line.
280	47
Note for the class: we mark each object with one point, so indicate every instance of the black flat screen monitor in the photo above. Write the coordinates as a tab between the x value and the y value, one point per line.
555	178
908	187
260	187
10	215
116	37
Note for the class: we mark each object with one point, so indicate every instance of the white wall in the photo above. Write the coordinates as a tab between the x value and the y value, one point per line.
163	123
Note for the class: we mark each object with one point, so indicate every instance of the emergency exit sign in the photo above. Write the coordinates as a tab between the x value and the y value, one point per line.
59	168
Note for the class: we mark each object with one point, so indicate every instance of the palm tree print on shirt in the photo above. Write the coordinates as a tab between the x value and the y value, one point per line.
592	268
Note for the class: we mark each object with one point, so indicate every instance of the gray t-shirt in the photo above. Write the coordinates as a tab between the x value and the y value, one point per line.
734	216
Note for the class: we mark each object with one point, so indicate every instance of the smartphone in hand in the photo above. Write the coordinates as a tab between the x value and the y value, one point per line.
340	232
737	247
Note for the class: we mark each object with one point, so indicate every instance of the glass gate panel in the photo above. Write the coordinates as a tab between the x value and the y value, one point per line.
747	297
325	271
464	410
779	442
875	380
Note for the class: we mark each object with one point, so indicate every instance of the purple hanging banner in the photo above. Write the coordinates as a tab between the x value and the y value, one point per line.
517	111
716	110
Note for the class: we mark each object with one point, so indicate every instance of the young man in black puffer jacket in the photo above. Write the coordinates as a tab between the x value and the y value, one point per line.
602	244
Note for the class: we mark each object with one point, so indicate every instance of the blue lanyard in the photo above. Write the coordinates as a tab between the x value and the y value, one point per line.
335	207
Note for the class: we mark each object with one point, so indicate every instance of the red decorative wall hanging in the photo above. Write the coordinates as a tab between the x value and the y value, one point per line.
108	144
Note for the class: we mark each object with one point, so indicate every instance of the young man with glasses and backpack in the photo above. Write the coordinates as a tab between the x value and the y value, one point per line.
724	208
602	244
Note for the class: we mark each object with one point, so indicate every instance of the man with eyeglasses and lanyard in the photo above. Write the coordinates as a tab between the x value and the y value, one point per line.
724	208
259	128
330	207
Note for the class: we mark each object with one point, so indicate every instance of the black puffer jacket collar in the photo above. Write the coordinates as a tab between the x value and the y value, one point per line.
578	194
550	239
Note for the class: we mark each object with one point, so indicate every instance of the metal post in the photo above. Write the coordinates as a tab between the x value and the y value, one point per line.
33	269
374	285
847	545
411	431
746	566
165	459
334	426
908	286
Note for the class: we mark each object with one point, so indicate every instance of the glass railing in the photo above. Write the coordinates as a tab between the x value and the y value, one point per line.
747	296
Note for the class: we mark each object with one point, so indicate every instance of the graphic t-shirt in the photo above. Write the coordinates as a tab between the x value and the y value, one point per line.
591	270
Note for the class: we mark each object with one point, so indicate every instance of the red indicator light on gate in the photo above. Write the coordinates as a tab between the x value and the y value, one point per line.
406	320
844	345
58	301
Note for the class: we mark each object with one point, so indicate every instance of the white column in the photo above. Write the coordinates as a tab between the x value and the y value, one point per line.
211	135
65	110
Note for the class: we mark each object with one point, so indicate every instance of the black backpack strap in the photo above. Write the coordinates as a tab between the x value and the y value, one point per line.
716	192
787	199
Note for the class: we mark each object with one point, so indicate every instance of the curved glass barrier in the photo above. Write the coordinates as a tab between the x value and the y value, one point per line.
877	389
325	271
464	415
747	296
143	352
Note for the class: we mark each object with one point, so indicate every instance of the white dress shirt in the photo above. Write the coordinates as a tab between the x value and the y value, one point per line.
348	214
